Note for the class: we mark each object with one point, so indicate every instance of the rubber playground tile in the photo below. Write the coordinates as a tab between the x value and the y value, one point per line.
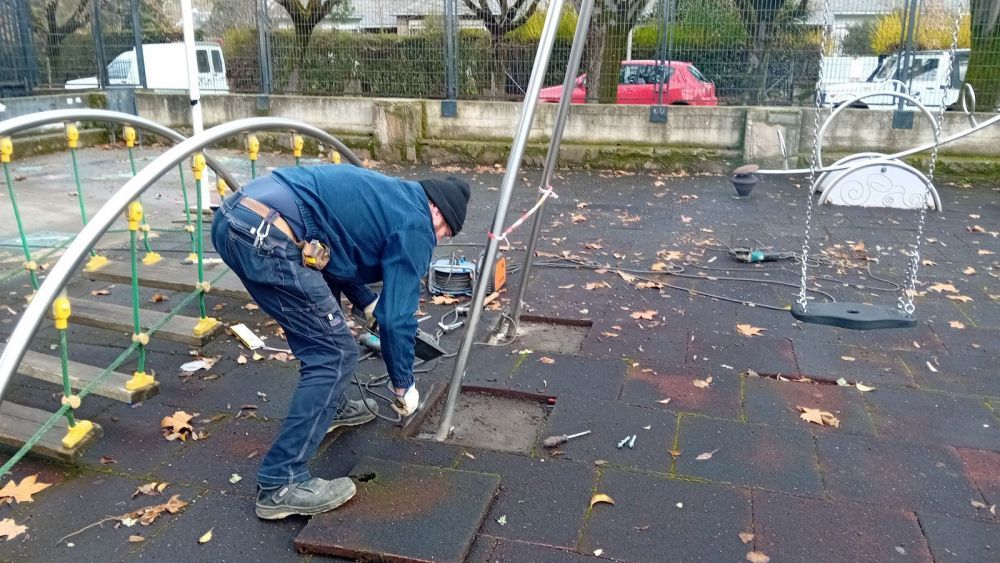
769	401
763	354
922	337
972	341
624	339
957	539
953	373
658	518
610	422
237	534
777	459
981	468
866	364
549	374
892	474
540	500
648	384
494	550
934	418
404	513
76	503
799	529
347	447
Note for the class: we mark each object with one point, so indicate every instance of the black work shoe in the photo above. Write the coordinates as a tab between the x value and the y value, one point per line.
354	413
313	496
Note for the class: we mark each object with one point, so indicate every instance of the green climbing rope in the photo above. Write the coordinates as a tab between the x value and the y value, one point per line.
121	359
20	228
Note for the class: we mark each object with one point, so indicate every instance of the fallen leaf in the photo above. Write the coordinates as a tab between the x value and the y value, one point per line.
136	539
847	358
502	520
956	324
863	388
649	285
241	359
99	292
928	263
568	286
676	453
601	497
108	460
747	330
702	383
962	298
931	367
976	229
546	360
280	356
593	246
177	425
658	267
22	492
664	401
578	218
706	455
670	255
9	529
685	219
939	287
819	417
150	489
444	300
596	285
746	537
646	315
235	478
843	382
148	514
984	252
757	557
978	504
629	278
969	271
251	306
598	552
206	537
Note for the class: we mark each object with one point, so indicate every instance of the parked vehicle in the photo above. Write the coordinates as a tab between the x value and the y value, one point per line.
165	69
923	81
637	84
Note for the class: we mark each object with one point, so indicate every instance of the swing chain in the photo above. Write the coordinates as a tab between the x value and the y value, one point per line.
905	301
813	164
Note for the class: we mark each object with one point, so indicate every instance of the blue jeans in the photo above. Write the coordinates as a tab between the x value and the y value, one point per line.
301	301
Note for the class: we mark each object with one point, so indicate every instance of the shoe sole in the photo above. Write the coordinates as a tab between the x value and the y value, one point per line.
355	422
279	512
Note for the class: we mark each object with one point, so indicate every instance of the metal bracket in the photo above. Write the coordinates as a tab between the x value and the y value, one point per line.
902	119
658	114
449	108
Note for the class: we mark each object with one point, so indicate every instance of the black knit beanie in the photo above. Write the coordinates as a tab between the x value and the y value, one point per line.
451	196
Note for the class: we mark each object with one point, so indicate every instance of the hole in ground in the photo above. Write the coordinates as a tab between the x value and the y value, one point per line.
551	334
490	421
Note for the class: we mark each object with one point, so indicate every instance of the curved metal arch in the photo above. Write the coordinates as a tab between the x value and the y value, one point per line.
77	251
935	128
25	122
935	199
825	177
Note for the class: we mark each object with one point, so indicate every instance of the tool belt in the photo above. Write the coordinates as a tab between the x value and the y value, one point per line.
315	255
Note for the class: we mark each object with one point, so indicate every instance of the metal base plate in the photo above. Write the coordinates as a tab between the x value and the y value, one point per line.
853	316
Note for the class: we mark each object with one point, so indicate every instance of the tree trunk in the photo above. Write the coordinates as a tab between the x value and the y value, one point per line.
301	43
596	40
759	65
615	45
984	63
498	78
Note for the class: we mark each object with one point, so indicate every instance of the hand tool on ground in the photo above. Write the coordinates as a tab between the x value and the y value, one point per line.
553	441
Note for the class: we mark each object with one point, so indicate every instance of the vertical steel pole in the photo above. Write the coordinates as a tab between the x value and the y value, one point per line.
140	58
98	37
449	107
545	43
194	90
264	54
905	60
552	157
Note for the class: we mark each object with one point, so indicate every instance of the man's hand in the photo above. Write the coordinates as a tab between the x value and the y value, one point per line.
407	400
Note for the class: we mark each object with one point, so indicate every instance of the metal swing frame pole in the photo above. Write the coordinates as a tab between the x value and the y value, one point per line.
545	44
552	157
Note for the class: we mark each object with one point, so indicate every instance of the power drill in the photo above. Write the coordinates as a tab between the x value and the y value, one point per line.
748	256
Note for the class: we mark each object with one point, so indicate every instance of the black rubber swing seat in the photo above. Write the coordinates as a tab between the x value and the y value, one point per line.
853	316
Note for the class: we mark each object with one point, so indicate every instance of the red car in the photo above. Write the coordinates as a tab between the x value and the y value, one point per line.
637	85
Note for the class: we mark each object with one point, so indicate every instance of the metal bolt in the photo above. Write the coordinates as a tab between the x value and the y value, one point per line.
631	443
623	442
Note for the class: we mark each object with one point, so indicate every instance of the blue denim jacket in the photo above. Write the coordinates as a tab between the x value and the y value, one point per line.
379	229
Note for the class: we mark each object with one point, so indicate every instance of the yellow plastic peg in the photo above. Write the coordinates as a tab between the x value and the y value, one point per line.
253	146
6	149
72	135
335	157
134	215
221	187
198	166
297	143
60	312
77	433
129	134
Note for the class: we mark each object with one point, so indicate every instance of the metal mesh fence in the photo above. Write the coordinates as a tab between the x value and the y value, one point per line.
699	52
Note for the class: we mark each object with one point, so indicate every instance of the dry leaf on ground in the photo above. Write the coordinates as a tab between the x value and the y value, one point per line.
757	557
819	417
664	401
148	514
280	356
177	425
21	492
596	285
847	358
157	297
863	388
578	218
626	276
670	255
251	306
984	252
706	455
646	315
546	360
206	537
969	271
658	267
747	330
746	537
100	292
136	538
962	298
601	497
444	300
956	324
9	529
150	489
241	359
940	287
702	383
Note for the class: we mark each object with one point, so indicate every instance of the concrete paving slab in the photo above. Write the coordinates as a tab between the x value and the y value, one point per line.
890	473
956	539
777	459
650	383
837	531
763	354
769	401
610	423
433	515
662	518
935	418
981	468
541	500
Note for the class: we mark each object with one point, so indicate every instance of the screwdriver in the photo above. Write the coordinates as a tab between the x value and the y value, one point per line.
553	441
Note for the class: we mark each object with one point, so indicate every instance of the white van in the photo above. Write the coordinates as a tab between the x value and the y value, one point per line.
923	82
165	69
